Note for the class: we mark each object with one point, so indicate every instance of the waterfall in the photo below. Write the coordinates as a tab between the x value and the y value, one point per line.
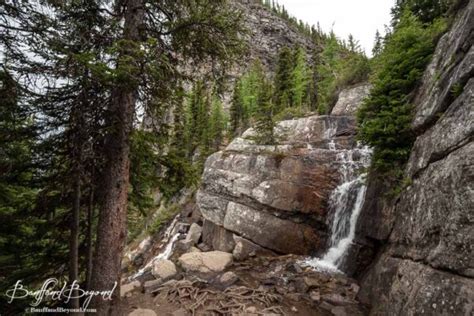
345	203
170	236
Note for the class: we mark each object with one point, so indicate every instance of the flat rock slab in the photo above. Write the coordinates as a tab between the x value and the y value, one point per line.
205	262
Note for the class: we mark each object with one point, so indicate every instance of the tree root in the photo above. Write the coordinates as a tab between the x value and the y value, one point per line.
232	301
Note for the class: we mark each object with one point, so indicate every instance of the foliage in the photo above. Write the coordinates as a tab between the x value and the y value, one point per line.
289	114
76	64
339	65
217	123
264	124
283	79
427	11
385	117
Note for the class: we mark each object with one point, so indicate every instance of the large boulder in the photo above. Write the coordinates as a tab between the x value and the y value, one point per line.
276	196
194	234
205	262
350	99
164	269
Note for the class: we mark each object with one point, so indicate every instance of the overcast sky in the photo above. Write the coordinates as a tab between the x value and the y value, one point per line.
360	18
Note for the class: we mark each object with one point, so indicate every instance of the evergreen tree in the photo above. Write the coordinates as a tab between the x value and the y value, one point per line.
217	124
378	44
236	110
283	79
385	117
300	78
264	124
427	11
94	75
250	89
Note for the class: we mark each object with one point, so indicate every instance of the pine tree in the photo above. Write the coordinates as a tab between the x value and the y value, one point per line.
264	124
120	60
217	124
299	79
283	79
236	110
385	117
378	44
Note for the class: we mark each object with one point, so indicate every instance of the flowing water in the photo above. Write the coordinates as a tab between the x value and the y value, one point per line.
345	204
170	236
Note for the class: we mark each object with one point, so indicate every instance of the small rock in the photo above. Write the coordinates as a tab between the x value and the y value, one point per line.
142	312
127	289
311	282
326	306
194	249
204	247
293	297
228	279
194	233
295	268
152	285
336	299
301	286
315	296
281	290
294	309
164	269
180	312
339	311
355	288
251	309
205	262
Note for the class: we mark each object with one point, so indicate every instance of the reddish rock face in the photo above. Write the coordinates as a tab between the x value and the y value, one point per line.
277	196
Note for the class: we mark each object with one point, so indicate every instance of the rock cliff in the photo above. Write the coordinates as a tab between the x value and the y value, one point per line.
277	196
424	240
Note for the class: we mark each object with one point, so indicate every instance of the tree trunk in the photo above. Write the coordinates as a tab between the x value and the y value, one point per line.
74	240
90	247
111	231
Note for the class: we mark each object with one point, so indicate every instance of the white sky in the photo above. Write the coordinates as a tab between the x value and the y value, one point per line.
361	18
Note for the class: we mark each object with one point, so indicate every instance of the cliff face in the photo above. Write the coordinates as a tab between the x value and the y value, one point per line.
425	264
266	33
278	196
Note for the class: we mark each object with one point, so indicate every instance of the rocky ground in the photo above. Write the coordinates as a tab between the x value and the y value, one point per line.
197	282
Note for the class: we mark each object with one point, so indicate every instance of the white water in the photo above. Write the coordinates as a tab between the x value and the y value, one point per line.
171	236
345	203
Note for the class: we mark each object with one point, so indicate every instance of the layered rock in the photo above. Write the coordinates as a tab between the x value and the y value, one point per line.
277	196
427	265
349	99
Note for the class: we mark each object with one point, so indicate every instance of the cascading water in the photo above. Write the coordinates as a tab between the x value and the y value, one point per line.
171	236
345	203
